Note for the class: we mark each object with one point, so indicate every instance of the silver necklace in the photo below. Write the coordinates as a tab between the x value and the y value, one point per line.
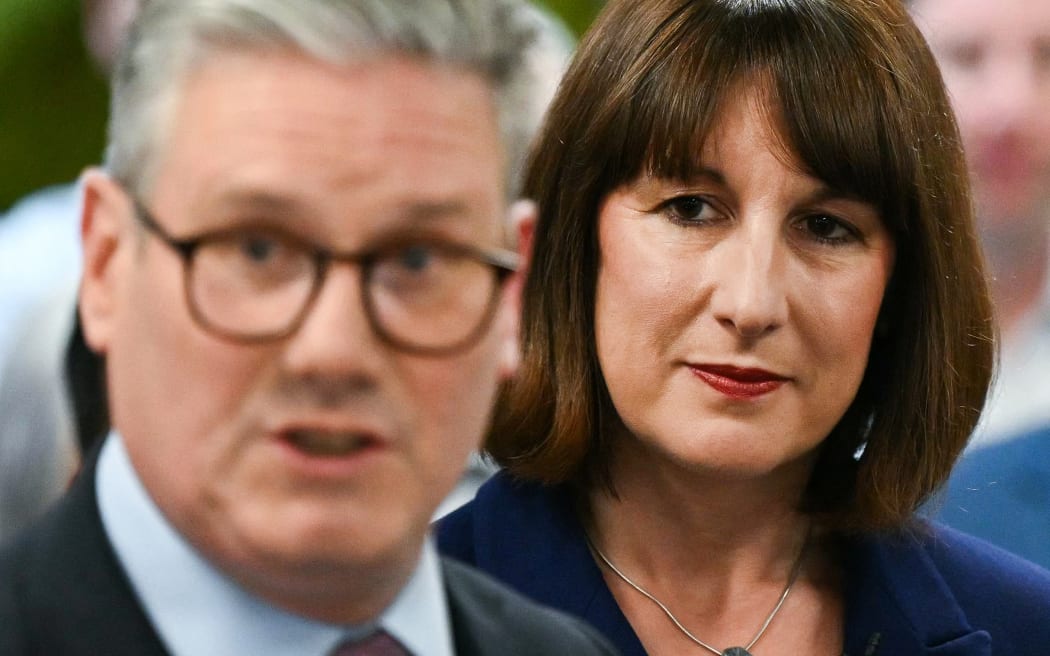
731	651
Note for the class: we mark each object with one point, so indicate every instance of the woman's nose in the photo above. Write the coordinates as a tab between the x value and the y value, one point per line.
750	287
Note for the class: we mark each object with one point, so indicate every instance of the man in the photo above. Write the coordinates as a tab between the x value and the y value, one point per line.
293	267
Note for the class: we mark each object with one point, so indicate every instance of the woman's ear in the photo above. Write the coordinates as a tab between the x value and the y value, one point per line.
104	213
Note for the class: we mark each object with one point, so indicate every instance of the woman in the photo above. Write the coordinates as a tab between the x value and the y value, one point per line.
757	335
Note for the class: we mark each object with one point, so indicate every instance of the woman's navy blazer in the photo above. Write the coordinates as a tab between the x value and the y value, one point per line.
929	591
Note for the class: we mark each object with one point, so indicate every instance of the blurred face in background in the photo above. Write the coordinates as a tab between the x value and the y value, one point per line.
995	57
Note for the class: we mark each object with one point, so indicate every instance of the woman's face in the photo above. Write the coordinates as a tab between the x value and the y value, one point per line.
735	311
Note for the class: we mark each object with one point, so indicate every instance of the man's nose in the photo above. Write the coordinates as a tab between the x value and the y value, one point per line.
335	338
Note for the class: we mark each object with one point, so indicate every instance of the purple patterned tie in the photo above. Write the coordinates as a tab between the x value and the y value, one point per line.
379	643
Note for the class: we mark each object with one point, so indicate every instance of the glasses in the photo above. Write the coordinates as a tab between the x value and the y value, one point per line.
423	296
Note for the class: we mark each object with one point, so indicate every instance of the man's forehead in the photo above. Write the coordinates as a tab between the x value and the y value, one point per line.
410	210
374	95
398	137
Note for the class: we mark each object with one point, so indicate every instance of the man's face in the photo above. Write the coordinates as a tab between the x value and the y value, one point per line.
244	447
995	57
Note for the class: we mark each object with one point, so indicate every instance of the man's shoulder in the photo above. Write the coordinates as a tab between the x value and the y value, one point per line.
64	593
490	618
33	558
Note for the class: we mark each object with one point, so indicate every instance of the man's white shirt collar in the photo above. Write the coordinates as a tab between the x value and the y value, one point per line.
198	611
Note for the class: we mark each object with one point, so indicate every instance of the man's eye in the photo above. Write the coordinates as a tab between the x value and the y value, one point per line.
260	254
415	258
258	248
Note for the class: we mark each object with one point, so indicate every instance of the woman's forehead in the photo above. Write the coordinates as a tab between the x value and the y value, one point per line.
752	95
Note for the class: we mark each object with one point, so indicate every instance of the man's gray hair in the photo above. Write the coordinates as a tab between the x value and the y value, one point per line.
171	38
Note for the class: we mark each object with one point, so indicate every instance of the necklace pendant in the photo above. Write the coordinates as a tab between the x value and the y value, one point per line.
736	651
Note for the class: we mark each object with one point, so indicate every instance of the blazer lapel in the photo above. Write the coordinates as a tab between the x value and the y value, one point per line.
535	543
898	603
77	588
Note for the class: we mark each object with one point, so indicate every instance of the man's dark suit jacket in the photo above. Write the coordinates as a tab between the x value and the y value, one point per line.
64	593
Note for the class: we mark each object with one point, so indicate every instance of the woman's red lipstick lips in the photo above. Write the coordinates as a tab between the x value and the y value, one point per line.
738	382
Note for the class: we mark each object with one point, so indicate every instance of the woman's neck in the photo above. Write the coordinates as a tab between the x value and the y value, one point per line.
717	549
663	513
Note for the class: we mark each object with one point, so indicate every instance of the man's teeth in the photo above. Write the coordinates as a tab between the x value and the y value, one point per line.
327	444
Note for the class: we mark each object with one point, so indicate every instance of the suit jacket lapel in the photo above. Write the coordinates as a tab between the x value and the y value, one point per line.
473	633
79	591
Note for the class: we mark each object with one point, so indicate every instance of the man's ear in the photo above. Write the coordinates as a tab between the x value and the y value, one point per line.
103	219
522	219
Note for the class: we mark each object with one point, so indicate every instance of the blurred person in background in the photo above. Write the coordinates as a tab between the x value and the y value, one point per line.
1002	494
995	57
39	271
39	251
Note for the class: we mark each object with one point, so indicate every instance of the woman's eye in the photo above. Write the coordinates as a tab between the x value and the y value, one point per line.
828	229
688	209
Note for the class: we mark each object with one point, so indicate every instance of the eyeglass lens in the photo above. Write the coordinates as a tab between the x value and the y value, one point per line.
424	295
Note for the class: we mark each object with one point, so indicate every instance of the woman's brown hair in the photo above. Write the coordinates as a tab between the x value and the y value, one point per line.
861	105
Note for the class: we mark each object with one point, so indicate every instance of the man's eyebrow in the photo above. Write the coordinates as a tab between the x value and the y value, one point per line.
430	211
415	216
275	203
262	201
263	208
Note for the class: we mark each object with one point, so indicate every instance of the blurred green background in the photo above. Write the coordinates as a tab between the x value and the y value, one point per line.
577	14
53	102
